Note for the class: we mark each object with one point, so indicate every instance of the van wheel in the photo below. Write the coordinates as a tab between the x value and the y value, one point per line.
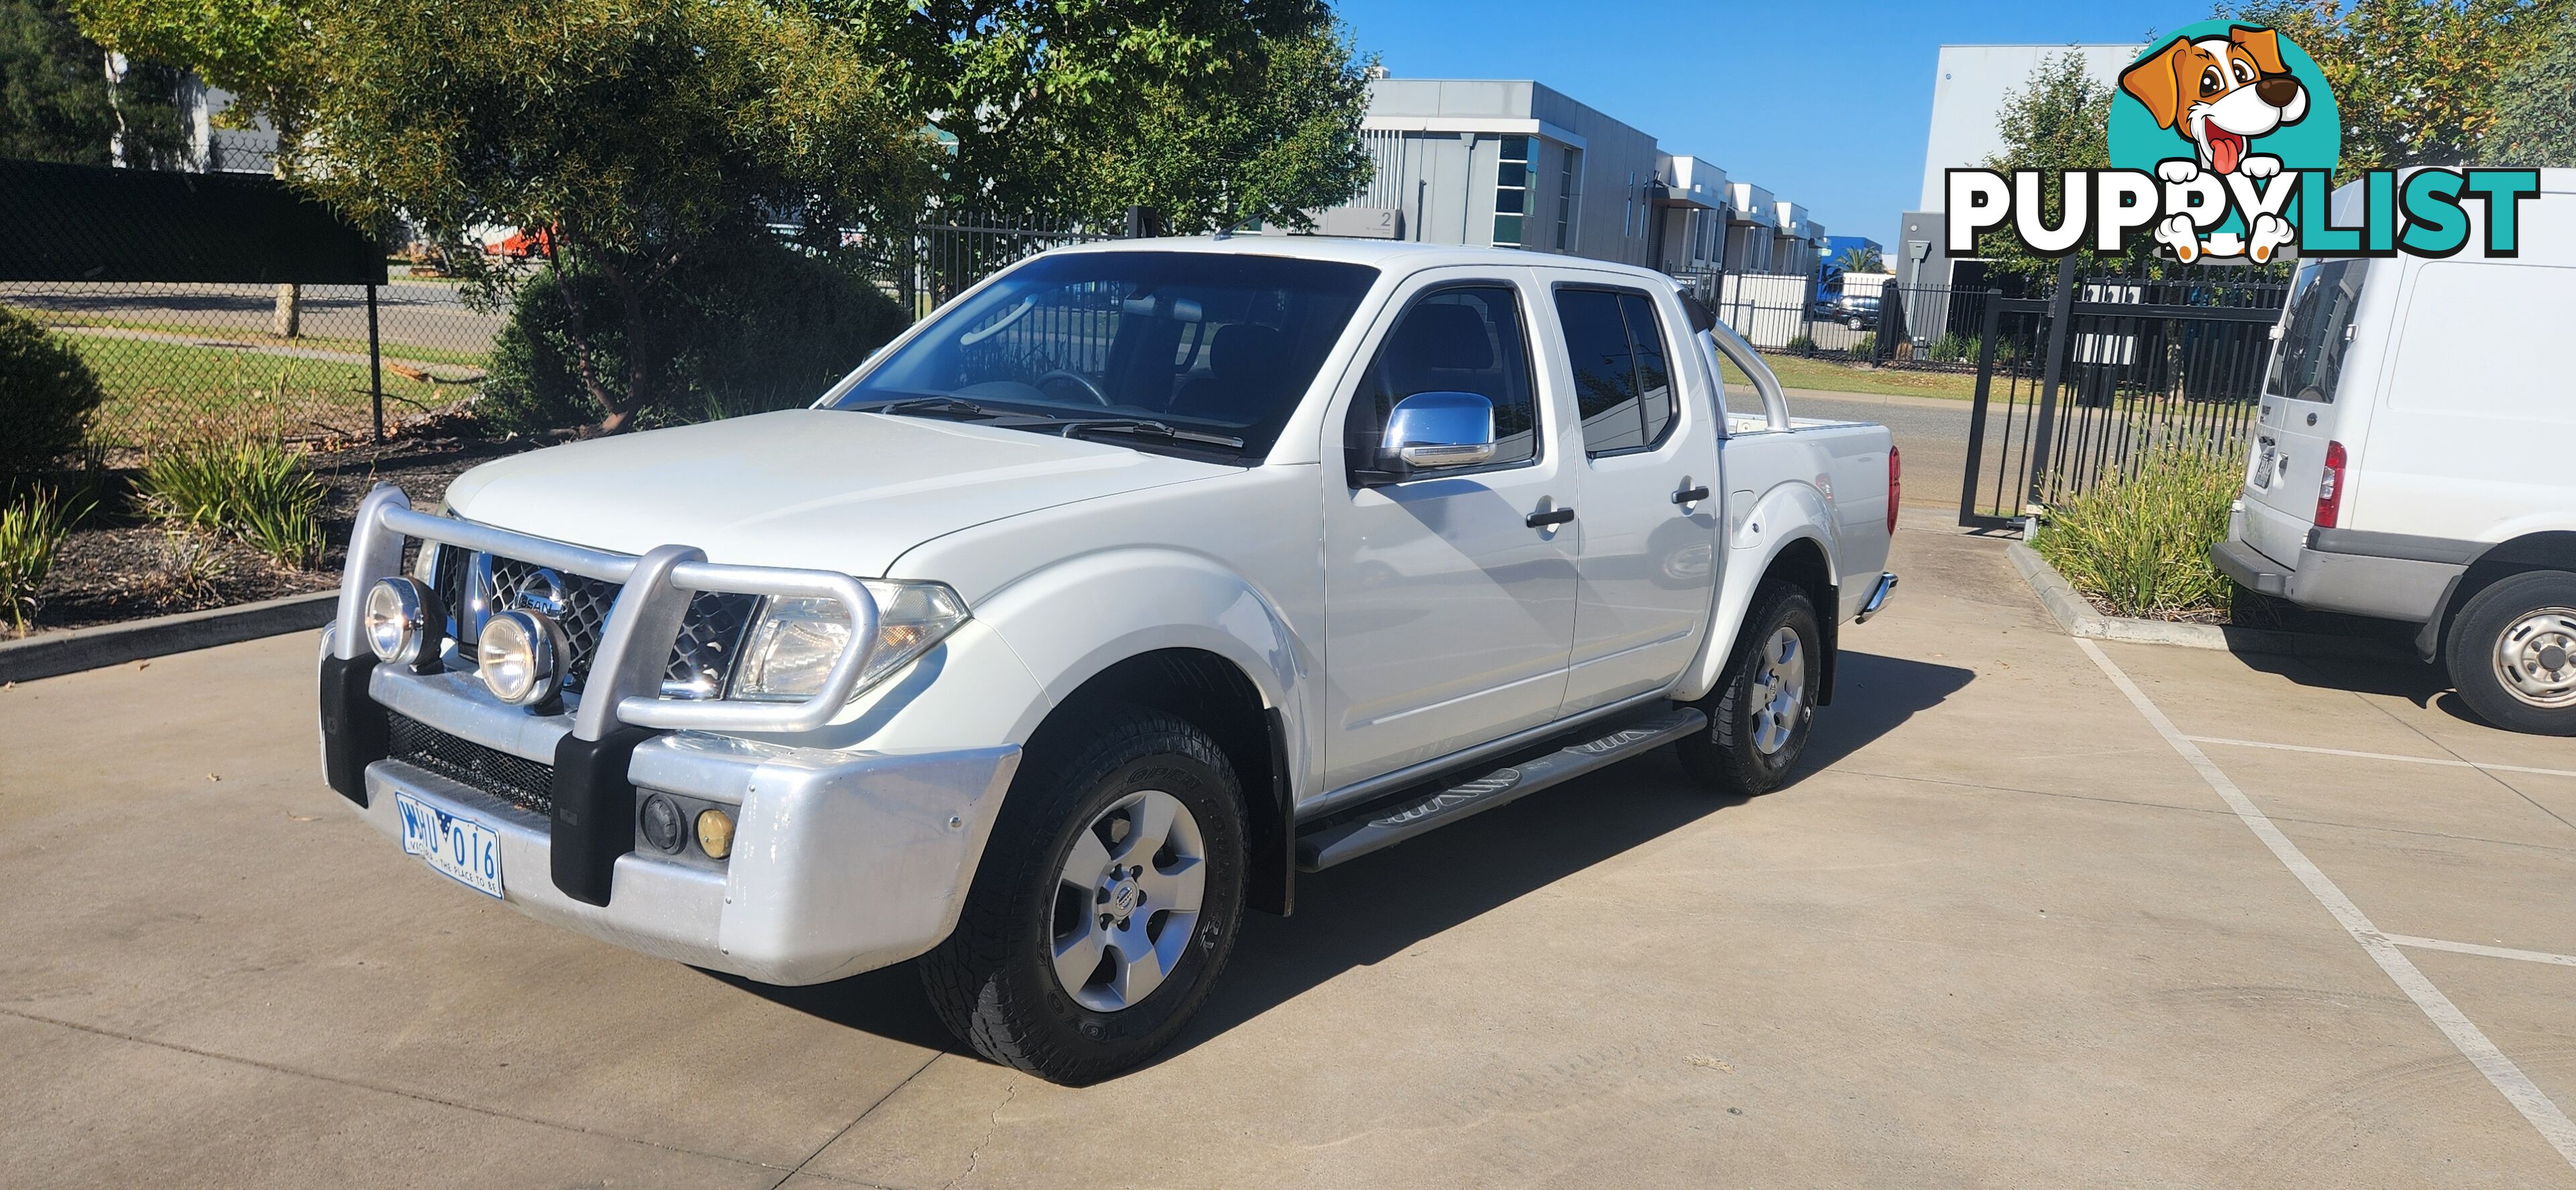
1759	714
1104	906
2512	653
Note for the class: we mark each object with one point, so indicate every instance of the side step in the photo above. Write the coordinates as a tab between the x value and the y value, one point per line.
1387	825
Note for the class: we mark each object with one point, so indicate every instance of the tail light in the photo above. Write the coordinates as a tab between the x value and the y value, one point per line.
2330	487
1895	486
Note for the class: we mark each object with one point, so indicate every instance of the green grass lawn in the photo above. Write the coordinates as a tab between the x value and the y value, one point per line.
403	352
1797	371
166	392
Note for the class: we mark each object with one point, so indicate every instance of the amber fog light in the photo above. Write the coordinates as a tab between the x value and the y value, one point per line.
715	833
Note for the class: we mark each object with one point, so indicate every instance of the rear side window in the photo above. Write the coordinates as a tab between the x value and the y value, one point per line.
1467	339
2317	332
1622	381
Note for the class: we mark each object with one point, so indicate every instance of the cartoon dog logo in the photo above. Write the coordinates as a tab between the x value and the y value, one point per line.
2220	93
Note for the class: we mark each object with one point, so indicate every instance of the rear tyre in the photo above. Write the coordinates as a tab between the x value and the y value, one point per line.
1104	906
2512	653
1759	714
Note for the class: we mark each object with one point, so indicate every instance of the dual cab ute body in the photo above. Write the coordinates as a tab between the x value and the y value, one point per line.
1369	537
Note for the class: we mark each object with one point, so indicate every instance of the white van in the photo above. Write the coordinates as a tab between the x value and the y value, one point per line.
2415	458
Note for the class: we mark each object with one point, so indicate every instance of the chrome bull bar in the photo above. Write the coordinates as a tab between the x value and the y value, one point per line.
625	682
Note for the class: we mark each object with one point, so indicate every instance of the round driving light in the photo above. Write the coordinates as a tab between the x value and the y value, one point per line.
521	655
397	620
715	833
663	824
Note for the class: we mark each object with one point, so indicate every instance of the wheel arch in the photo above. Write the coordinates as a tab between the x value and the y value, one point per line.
1215	695
2549	550
1801	559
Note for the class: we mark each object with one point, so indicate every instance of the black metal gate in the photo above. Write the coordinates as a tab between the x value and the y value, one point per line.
2083	384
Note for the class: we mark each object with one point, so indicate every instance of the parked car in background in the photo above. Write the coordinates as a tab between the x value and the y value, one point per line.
1857	311
2410	458
1087	614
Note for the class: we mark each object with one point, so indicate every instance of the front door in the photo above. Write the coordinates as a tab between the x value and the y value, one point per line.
1649	523
1447	614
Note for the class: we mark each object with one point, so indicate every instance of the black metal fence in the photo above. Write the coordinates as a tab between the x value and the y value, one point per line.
2093	379
946	253
1868	320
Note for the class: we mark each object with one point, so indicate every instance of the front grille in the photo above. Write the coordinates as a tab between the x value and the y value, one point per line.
702	657
523	783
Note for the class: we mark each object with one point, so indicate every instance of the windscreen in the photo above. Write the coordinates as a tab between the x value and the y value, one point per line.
2316	331
1216	344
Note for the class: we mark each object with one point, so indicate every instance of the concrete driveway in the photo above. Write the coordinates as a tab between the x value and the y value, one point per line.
2032	917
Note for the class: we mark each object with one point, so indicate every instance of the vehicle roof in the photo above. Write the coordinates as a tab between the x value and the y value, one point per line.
1399	255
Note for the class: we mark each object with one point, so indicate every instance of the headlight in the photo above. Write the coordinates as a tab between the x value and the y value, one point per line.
521	655
397	620
797	640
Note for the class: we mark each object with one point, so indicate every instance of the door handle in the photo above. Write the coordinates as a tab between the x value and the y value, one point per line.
1550	518
1691	495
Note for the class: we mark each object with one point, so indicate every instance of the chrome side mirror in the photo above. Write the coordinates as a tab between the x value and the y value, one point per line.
1435	430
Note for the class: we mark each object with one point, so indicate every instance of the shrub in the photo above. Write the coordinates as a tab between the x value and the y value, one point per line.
2140	543
1865	348
1802	345
254	489
32	530
47	397
1951	348
762	327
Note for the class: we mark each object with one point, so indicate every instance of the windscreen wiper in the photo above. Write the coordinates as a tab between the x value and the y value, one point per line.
1143	428
956	405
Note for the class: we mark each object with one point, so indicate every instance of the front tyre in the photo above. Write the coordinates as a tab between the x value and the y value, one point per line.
1104	906
2512	653
1759	714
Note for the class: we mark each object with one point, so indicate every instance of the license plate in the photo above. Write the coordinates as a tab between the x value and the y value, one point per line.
465	850
2263	465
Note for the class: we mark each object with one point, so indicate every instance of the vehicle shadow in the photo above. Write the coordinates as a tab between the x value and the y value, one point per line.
1371	909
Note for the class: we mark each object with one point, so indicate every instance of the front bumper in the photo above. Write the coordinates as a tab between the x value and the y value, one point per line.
842	861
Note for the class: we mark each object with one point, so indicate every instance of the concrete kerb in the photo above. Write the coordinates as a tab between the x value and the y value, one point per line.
2076	616
56	653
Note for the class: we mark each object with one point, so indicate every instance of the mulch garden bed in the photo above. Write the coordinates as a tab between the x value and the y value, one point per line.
121	566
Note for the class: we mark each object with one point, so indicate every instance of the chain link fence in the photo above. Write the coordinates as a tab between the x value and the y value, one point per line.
183	362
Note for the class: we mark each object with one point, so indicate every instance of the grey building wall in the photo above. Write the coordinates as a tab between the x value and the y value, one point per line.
1440	147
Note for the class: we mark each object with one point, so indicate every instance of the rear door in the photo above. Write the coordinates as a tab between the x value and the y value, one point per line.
1648	520
2299	407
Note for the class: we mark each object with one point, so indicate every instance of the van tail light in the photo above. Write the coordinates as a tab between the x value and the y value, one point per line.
1895	486
2330	487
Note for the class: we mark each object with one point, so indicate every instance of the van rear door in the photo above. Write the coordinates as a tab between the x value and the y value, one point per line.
2296	428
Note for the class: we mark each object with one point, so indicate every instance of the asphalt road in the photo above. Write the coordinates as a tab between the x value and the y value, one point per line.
2036	913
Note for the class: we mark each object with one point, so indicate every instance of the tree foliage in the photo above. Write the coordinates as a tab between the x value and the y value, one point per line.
2535	105
1211	111
260	50
1859	258
57	104
2415	80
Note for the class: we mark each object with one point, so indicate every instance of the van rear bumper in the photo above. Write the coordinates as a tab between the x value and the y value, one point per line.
2408	589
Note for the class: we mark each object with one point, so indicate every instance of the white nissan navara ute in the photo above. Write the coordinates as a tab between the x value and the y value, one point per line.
1093	610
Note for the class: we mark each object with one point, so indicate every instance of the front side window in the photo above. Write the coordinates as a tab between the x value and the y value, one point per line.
1217	346
1467	339
2316	332
1622	381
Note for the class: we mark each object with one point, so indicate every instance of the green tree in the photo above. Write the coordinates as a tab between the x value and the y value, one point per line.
1859	259
2059	119
2535	106
1212	110
260	50
640	136
2415	80
57	103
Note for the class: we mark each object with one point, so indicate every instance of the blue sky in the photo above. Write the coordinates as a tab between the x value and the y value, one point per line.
1825	104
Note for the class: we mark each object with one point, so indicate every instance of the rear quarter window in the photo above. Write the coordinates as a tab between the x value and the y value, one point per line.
2308	360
